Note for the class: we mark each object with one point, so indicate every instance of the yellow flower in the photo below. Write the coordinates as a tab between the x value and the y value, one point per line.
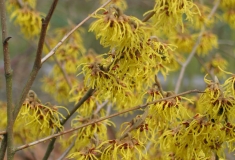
208	42
28	20
199	20
167	111
119	31
37	118
126	149
3	115
228	3
215	64
229	85
184	42
192	139
87	153
169	13
229	17
98	129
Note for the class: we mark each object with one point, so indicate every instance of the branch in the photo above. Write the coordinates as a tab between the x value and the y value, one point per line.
67	150
3	132
68	34
104	118
3	147
8	76
184	65
60	67
214	9
79	104
37	63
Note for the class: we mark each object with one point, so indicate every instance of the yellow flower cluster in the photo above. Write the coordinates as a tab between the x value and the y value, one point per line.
192	139
208	130
169	13
229	12
127	148
116	30
208	42
216	64
3	111
134	57
34	120
25	16
183	41
200	20
228	3
39	119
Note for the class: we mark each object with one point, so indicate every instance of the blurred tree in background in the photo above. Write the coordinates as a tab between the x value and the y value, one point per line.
121	73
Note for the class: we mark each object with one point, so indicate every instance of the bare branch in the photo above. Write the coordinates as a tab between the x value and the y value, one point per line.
214	9
60	67
68	34
104	118
8	77
67	150
3	147
185	64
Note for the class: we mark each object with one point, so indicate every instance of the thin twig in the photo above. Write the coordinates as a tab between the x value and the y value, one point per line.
66	77
8	77
29	149
79	104
88	94
104	118
68	34
214	9
100	106
37	63
185	64
20	3
136	124
3	147
67	150
3	132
